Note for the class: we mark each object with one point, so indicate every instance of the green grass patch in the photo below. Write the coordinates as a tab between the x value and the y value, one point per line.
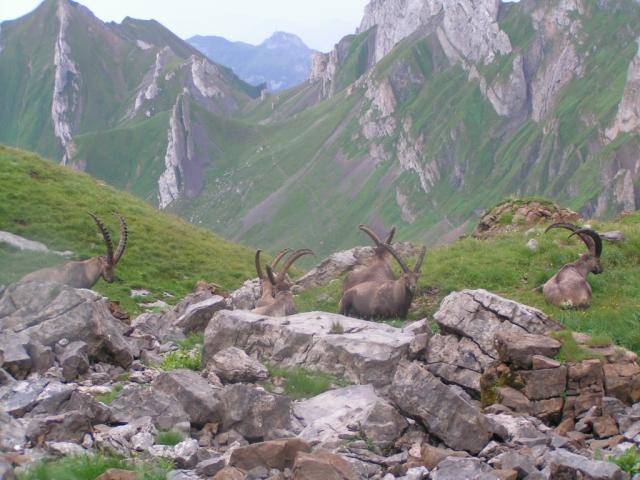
628	462
302	383
43	201
571	351
169	437
506	218
88	467
108	398
188	355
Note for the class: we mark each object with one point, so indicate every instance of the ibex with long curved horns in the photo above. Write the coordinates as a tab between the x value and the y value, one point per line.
282	304
378	269
385	299
267	293
569	287
86	273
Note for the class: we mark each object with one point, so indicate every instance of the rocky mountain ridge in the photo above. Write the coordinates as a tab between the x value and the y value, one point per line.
281	61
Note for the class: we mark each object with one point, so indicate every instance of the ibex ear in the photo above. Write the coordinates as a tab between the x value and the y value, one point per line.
389	238
420	260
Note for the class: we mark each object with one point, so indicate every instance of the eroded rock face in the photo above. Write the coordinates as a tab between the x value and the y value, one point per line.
421	395
46	313
367	352
328	418
628	117
233	365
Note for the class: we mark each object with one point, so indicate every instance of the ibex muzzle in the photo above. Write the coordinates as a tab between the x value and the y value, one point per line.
569	287
86	273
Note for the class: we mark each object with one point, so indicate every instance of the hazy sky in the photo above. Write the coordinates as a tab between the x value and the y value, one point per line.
319	23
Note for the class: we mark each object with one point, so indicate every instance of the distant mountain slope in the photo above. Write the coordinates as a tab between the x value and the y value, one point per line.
43	201
72	84
282	61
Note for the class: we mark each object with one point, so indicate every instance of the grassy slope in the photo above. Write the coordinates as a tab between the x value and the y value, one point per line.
506	266
45	202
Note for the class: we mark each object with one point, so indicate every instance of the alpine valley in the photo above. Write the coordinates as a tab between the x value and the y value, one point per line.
431	112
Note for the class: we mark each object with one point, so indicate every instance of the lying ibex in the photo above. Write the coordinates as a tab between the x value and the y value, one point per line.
282	304
569	287
384	299
86	273
267	294
378	269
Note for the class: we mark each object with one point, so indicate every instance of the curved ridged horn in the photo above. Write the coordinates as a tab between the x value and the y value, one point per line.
124	236
292	258
278	257
258	266
105	236
597	241
573	229
390	235
371	233
416	269
392	251
270	276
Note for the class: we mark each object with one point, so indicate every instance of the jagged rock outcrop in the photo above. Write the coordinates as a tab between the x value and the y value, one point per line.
628	117
67	83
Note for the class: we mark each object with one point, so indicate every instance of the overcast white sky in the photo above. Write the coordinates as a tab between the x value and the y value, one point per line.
320	23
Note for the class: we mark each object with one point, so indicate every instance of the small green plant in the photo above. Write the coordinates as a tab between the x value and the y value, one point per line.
302	383
394	322
506	218
124	377
107	398
181	359
336	327
570	350
88	467
188	355
169	437
629	461
599	339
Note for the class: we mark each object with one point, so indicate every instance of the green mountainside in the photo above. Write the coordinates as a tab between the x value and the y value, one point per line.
418	123
48	203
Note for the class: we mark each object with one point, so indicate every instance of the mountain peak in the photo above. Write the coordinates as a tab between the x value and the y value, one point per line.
283	39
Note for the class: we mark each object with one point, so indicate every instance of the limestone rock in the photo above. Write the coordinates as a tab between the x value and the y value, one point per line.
245	297
193	393
564	464
546	383
322	465
234	365
278	454
367	352
74	360
328	418
468	468
421	395
254	413
47	313
518	348
137	402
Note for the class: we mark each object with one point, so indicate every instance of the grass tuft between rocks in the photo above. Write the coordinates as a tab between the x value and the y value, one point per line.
108	398
629	461
299	383
89	467
169	437
188	355
571	351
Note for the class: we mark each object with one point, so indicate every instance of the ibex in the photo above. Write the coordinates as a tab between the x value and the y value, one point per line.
387	298
267	294
569	287
378	269
86	273
282	304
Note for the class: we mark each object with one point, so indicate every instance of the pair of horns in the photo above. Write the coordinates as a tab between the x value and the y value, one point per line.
401	262
280	278
375	237
590	237
274	262
113	258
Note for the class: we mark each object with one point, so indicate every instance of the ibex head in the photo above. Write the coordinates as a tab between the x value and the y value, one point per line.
409	277
591	259
281	281
108	262
380	250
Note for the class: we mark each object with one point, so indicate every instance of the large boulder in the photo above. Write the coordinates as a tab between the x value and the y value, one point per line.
233	365
198	398
47	313
322	465
564	464
279	454
366	352
137	402
446	414
329	418
255	413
